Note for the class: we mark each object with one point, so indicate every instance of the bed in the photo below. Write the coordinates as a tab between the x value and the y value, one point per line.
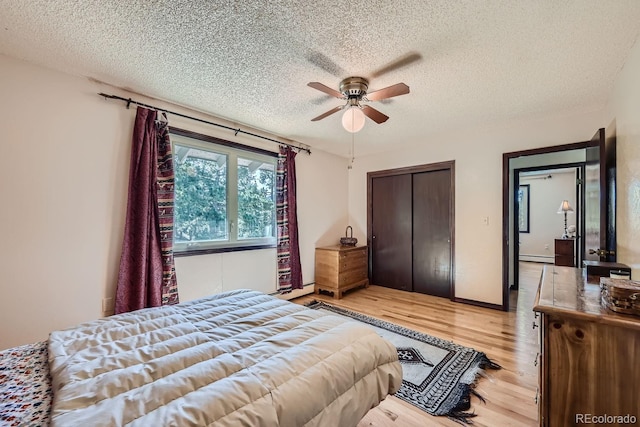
240	358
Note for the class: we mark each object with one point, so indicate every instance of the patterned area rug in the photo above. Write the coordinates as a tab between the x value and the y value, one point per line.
438	376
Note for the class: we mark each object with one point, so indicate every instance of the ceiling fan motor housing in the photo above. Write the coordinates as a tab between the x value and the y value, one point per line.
354	87
354	91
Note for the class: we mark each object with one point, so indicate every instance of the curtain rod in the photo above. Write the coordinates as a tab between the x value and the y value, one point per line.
129	101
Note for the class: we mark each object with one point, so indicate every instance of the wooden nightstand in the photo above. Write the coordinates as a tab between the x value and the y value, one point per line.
565	252
340	268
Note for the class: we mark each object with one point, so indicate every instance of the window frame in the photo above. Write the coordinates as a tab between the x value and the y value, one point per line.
233	151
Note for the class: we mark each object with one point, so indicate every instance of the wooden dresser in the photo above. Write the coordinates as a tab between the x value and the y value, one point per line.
589	356
340	268
564	250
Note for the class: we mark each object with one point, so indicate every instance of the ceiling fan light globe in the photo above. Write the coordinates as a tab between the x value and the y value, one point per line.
353	119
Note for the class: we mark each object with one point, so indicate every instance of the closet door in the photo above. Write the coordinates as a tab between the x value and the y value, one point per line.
432	232
391	231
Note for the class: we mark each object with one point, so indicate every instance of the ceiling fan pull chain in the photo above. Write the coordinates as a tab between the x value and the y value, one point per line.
353	152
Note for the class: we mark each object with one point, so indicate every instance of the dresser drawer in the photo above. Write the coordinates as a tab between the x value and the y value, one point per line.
354	256
354	264
352	276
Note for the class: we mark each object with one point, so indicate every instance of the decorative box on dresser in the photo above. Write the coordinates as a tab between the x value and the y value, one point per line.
340	268
589	356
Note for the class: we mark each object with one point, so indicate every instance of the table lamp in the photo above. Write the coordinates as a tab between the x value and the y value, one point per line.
563	209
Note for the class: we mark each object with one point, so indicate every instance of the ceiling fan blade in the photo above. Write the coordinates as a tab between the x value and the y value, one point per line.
388	92
374	114
326	89
328	113
403	61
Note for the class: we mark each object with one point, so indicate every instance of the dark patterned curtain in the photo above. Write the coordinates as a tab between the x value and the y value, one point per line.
147	275
289	268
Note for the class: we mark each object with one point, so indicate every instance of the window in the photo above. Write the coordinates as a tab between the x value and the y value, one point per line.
224	194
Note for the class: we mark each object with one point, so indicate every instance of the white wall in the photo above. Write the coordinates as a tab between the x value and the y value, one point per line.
63	180
478	187
626	110
545	224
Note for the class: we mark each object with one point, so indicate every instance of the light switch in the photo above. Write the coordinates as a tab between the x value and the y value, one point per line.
485	220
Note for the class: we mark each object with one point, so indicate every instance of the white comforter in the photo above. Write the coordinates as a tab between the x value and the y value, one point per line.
240	358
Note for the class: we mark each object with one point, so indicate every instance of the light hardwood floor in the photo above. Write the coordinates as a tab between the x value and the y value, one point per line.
505	337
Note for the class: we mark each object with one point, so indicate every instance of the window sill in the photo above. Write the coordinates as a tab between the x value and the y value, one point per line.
203	251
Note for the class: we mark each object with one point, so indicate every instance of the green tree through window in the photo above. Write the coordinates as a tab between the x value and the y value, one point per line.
200	212
256	201
224	196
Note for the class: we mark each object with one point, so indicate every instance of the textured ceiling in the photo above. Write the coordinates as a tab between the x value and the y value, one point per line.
480	61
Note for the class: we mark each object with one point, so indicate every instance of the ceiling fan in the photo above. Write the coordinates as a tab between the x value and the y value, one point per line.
354	91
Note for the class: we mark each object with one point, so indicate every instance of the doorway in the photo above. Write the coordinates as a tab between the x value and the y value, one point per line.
598	209
541	194
542	158
410	228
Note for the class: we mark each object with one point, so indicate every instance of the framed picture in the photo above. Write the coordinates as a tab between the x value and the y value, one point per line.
523	208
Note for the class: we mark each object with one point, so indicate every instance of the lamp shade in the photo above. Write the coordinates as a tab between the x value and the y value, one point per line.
353	119
565	207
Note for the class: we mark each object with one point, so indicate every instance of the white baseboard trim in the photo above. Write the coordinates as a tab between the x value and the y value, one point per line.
306	290
537	258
